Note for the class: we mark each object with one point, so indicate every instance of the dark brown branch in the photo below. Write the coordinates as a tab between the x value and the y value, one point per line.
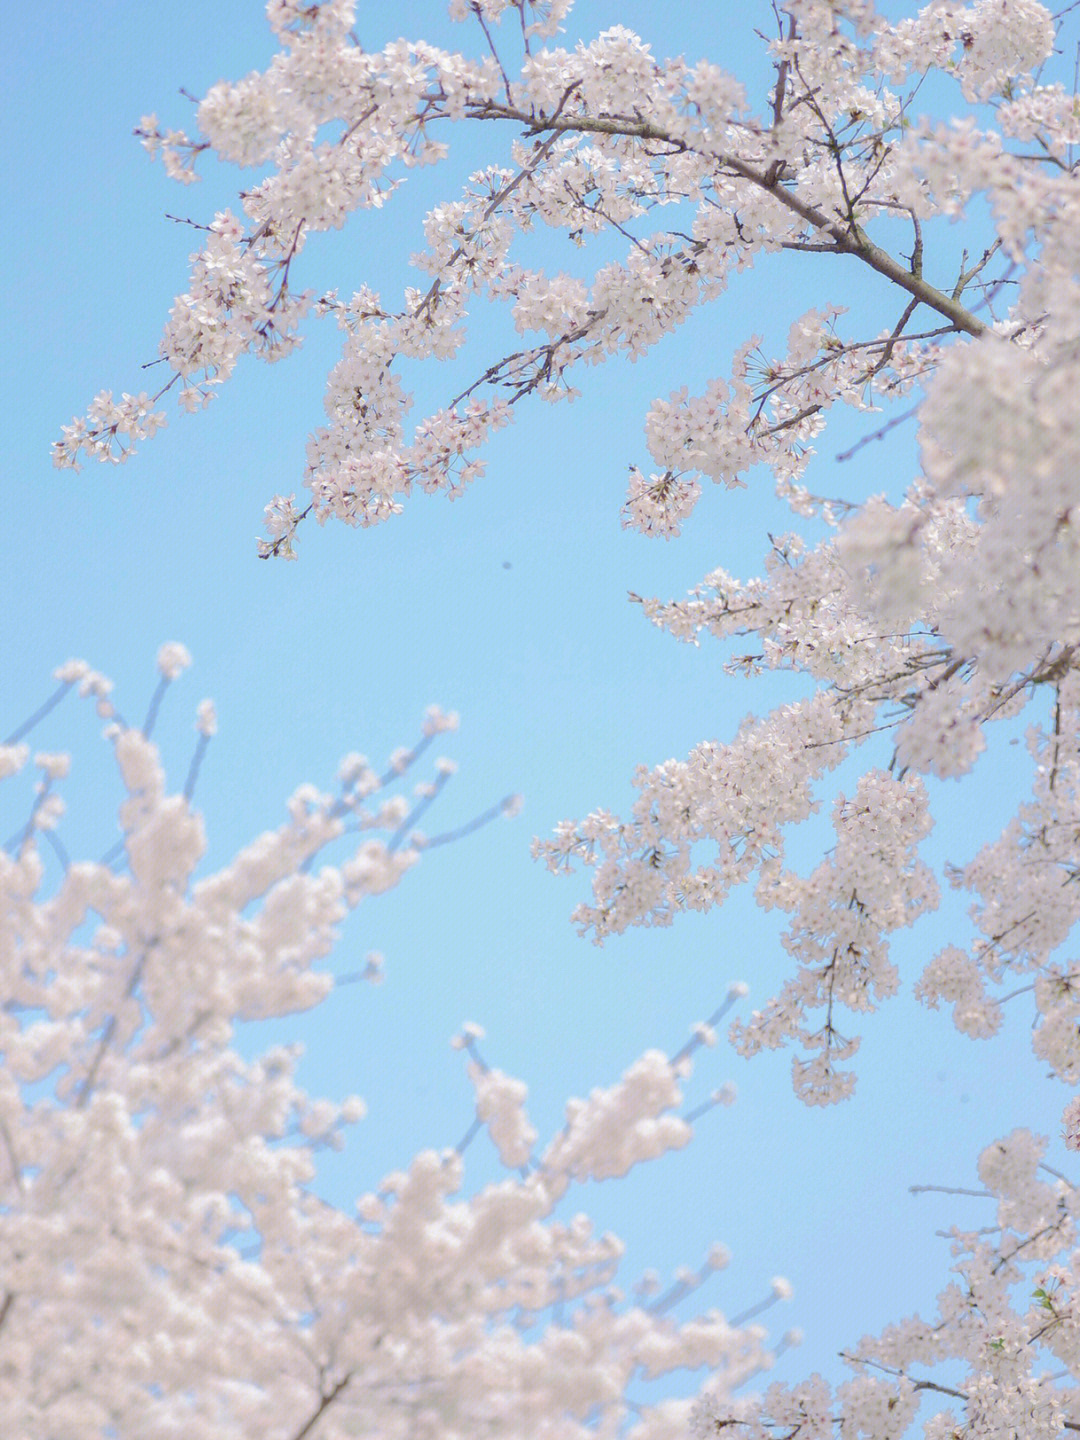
324	1404
846	240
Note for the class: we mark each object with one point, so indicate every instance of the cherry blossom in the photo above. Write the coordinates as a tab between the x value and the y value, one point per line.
912	621
158	1210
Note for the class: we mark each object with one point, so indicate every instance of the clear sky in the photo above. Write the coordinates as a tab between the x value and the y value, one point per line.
510	606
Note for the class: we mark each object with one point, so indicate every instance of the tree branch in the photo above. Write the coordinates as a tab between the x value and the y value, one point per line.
852	240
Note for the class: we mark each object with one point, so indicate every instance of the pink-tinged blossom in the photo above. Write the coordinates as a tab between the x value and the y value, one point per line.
912	623
158	1183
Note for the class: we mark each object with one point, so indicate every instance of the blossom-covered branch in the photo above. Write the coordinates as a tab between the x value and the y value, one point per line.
167	1262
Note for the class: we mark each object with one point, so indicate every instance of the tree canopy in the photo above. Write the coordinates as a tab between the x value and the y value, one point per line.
908	625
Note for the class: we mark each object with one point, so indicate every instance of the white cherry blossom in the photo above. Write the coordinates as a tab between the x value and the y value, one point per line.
913	622
157	1213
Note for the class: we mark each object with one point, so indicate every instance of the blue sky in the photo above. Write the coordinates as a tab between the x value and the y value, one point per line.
510	606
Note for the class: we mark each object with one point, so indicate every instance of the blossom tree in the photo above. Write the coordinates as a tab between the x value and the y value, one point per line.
916	621
168	1267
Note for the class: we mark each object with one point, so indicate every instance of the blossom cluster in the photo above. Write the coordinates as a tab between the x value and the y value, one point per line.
1006	1333
609	134
158	1211
912	622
